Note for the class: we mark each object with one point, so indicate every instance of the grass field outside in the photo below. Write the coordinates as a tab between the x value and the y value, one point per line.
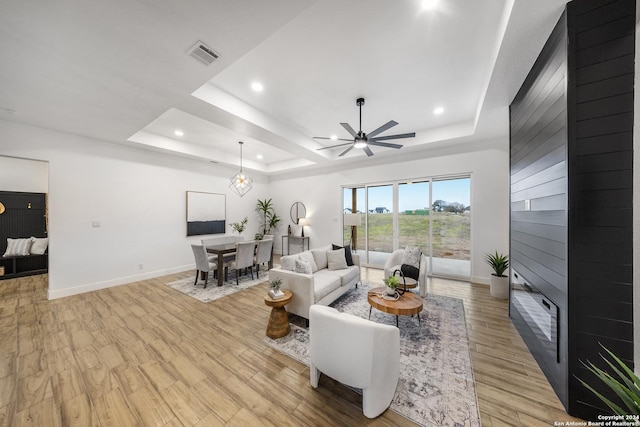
451	233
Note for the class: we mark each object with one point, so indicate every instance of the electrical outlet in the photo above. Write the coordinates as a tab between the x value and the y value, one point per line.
140	266
96	224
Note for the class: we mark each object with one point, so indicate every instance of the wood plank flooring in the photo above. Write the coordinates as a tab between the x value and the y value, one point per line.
145	355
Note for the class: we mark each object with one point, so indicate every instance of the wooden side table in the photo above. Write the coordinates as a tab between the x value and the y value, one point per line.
278	325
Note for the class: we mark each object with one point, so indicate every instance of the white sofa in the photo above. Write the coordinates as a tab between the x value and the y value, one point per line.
322	286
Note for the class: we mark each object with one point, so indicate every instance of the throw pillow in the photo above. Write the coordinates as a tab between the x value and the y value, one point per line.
288	262
308	256
347	253
411	256
411	262
302	266
336	259
320	256
18	247
39	245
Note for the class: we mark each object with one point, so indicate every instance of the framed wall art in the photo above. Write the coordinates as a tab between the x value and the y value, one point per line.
206	213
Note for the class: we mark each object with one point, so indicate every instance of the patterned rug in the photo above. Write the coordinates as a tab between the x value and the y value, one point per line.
436	386
214	291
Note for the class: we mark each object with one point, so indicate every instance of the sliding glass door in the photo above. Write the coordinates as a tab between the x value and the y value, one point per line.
451	227
432	214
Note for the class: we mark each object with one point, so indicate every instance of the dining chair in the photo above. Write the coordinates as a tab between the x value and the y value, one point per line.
222	240
244	258
203	264
263	254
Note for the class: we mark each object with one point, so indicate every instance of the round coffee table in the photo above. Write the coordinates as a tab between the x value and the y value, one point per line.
278	325
407	305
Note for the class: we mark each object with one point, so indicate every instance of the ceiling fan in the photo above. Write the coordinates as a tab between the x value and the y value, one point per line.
363	140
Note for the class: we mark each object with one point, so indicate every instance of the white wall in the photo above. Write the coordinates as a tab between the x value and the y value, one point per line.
322	196
23	175
139	197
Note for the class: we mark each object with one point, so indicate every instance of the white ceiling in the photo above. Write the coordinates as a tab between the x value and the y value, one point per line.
120	71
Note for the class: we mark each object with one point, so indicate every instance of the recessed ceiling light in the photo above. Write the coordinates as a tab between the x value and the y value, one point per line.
259	156
438	110
178	133
257	87
429	4
334	137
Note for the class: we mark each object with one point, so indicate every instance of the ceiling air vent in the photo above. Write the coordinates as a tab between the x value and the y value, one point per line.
203	53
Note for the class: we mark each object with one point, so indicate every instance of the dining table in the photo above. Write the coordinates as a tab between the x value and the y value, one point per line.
223	249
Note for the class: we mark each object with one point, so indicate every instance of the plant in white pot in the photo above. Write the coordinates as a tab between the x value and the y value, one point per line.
392	283
498	281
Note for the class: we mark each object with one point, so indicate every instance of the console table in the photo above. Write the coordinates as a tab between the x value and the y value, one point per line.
297	241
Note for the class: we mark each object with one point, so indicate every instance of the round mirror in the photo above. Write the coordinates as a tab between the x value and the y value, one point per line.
298	211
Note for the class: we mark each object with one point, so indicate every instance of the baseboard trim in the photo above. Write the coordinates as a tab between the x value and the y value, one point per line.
480	280
90	287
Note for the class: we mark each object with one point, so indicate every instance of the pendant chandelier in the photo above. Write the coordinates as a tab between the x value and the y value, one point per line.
240	183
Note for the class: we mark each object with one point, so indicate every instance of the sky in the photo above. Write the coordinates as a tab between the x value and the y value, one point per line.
414	196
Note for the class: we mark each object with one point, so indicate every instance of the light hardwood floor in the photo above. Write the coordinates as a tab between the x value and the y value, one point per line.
144	354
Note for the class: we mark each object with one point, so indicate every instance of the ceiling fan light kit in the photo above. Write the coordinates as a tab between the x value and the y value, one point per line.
363	140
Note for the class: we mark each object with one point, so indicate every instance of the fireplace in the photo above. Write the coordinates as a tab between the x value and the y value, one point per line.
539	313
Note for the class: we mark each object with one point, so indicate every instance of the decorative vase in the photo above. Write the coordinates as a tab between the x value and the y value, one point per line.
499	286
390	291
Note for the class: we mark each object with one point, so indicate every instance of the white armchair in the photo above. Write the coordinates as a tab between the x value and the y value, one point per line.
395	261
358	353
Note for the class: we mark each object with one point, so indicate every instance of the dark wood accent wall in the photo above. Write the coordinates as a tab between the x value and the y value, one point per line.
600	159
24	217
571	191
538	249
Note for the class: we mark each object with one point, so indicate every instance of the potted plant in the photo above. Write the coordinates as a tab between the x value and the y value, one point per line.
239	226
499	282
624	383
269	218
274	291
392	283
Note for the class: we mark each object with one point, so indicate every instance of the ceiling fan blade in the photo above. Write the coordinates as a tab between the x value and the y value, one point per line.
399	136
334	146
388	125
346	151
349	129
368	151
384	144
333	139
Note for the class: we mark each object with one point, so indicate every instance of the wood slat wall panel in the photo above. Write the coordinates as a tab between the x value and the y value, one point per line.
554	293
600	175
552	173
552	137
554	248
603	144
574	171
550	203
548	95
551	232
604	70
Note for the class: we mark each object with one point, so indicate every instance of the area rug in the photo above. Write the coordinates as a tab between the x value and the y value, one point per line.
214	291
436	386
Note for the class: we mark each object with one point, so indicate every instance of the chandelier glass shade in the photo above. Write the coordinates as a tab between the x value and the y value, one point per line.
240	183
